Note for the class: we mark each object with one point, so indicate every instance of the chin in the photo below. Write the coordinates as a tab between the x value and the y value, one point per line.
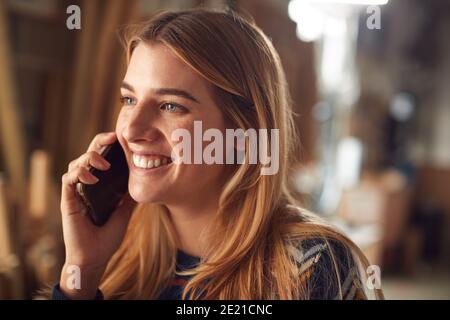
141	194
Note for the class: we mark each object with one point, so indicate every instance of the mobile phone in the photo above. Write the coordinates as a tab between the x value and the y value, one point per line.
102	197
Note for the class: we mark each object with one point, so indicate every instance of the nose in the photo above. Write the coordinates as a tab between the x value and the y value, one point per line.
140	125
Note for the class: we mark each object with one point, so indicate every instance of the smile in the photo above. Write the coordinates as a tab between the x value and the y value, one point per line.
150	161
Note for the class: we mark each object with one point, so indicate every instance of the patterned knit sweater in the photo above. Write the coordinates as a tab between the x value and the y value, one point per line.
316	272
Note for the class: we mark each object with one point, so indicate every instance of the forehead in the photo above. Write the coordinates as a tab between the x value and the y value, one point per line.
156	66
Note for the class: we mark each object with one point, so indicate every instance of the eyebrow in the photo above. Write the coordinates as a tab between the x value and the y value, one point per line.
164	91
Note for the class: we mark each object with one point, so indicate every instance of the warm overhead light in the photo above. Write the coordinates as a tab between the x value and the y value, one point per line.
312	18
361	2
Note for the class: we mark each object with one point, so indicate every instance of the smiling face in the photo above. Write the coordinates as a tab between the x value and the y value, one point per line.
160	93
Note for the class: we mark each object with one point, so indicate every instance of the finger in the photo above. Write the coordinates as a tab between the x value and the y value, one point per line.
70	201
101	140
85	176
90	159
79	174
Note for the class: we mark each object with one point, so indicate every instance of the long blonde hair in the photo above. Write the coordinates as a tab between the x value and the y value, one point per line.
247	255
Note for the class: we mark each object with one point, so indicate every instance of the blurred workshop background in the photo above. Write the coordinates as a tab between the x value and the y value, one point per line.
370	80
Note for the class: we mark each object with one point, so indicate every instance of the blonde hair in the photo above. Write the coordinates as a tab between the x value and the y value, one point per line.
247	255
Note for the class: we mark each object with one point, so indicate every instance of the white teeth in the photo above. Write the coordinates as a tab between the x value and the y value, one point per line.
136	160
143	162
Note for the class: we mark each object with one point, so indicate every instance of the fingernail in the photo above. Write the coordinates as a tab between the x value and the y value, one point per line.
106	164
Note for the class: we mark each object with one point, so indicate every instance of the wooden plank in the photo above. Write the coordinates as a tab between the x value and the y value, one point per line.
45	10
52	126
5	236
11	132
102	72
79	100
9	262
131	14
40	182
98	72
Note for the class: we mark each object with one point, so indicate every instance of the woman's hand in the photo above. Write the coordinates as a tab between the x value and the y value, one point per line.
89	247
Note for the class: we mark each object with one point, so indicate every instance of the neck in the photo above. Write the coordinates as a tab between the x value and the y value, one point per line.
190	220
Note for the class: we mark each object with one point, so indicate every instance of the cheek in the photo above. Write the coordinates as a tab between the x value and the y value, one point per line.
120	123
172	126
120	126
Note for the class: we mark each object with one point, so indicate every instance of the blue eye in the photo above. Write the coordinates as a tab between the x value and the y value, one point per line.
127	101
172	107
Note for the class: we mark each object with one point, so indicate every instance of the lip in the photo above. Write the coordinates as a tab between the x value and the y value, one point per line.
148	153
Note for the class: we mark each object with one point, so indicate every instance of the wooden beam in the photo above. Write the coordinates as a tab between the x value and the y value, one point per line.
5	228
10	268
40	182
80	95
11	129
55	92
105	67
131	13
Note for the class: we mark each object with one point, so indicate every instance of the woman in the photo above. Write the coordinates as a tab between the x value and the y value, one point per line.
202	231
